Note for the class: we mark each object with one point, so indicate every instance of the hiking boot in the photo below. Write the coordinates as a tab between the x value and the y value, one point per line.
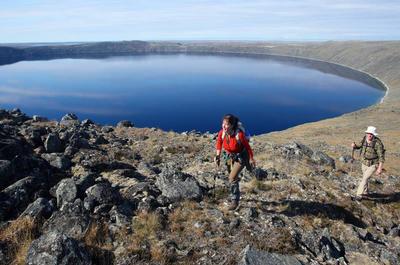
233	205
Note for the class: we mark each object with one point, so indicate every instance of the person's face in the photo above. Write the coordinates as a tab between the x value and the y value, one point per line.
225	125
370	136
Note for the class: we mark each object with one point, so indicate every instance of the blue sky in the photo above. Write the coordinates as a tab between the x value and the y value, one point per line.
285	20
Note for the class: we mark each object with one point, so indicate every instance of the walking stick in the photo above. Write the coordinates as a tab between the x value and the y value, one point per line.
352	162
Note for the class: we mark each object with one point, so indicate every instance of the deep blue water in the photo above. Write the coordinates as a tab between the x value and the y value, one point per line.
182	92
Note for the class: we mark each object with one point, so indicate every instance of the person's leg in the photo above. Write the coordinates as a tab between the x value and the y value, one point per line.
234	184
367	173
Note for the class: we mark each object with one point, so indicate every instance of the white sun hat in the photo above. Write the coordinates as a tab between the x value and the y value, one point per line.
372	130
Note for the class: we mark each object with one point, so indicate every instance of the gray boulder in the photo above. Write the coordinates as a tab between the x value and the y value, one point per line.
249	256
37	118
57	160
53	144
125	123
66	192
102	193
69	119
57	249
15	198
296	150
321	158
176	185
71	220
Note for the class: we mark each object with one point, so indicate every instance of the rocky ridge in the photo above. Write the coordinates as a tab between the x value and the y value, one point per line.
91	194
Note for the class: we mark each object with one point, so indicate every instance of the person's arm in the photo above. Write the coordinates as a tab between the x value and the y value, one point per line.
357	146
246	145
218	147
381	157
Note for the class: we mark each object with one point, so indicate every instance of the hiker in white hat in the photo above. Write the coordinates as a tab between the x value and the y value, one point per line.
372	155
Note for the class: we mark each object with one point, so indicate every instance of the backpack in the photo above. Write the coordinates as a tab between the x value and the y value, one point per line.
376	139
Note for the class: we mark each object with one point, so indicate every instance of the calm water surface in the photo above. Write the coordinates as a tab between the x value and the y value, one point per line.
181	92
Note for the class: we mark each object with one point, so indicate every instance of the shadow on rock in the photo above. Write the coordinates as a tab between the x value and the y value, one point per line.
329	210
383	198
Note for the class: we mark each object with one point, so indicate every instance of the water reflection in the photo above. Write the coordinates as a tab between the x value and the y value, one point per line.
183	92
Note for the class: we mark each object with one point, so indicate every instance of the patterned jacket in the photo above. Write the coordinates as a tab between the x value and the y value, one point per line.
371	153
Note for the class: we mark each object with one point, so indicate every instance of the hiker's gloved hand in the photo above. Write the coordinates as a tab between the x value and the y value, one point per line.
353	145
217	160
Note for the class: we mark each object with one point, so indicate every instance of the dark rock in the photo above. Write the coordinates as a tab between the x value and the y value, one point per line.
125	123
148	204
102	209
66	192
78	141
298	151
100	140
16	111
53	144
272	174
87	122
12	146
345	158
83	182
70	151
395	231
89	203
107	129
103	193
235	223
15	198
57	249
38	209
249	256
330	248
250	213
163	200
6	172
71	220
177	185
121	215
260	173
57	160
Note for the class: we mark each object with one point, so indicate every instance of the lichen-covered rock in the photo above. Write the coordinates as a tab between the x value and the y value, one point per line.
66	192
38	209
71	220
177	185
54	248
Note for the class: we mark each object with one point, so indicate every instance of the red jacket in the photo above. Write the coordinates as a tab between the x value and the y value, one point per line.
231	145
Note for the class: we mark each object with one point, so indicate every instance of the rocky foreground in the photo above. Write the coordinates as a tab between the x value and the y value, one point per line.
73	192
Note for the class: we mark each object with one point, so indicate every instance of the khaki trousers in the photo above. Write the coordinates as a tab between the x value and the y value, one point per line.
368	171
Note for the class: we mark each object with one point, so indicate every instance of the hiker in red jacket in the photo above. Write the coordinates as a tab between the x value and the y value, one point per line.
238	154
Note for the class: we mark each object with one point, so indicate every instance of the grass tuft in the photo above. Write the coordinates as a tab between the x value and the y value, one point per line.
18	236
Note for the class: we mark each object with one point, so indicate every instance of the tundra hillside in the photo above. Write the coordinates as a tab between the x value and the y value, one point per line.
73	192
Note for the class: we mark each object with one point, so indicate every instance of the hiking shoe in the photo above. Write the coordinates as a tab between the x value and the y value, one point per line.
233	205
